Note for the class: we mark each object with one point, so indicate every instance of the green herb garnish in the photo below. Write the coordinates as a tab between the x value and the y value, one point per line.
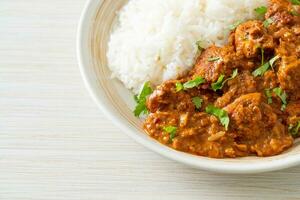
261	10
262	55
200	48
171	130
197	102
261	70
136	98
141	99
235	25
295	2
264	66
234	74
268	93
294	13
294	129
282	95
179	86
220	113
221	82
194	83
268	22
213	59
273	60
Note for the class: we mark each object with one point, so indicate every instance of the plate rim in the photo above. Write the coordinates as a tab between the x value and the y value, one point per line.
199	162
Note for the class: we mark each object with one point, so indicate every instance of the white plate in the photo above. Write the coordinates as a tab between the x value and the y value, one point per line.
117	102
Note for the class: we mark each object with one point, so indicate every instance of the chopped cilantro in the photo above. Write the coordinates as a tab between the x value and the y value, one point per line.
261	10
193	83
141	99
197	102
282	95
235	25
179	86
294	129
171	130
268	22
295	2
213	59
295	13
221	82
234	74
273	60
261	70
262	56
136	98
219	113
268	93
200	48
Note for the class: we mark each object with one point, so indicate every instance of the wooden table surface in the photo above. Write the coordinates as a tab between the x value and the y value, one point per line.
56	144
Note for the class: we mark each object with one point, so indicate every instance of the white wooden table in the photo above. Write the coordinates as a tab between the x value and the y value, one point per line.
56	144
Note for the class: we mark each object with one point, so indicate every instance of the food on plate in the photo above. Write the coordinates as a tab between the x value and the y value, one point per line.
156	40
241	96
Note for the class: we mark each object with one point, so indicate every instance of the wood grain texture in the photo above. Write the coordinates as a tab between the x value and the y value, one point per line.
56	145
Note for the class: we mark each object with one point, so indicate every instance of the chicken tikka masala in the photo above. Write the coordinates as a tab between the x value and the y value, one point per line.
240	99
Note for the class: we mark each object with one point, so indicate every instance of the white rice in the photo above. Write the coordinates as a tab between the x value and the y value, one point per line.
155	40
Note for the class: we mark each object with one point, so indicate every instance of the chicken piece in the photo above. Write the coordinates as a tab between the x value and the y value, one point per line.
293	110
242	84
267	81
279	12
165	98
289	76
250	37
250	114
257	125
289	41
212	63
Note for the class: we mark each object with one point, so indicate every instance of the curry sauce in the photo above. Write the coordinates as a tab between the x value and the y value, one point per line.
240	99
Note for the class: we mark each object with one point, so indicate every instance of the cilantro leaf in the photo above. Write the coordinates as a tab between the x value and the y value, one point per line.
136	98
261	70
234	74
200	48
179	87
197	102
221	82
171	130
235	25
213	59
194	83
220	113
141	99
261	10
268	22
140	109
262	56
294	129
268	93
282	95
273	60
295	2
294	13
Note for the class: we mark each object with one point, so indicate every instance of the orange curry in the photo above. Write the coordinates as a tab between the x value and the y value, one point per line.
240	99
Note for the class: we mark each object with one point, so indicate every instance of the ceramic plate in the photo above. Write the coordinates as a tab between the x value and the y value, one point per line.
117	102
